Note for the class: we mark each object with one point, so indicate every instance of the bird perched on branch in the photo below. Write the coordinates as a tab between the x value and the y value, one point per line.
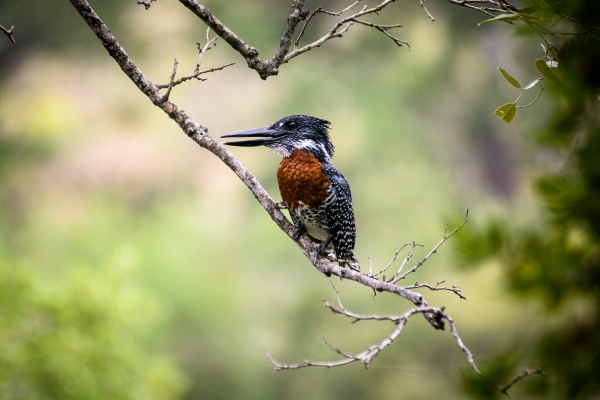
315	193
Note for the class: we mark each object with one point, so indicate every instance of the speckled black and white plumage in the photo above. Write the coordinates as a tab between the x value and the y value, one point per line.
340	214
325	214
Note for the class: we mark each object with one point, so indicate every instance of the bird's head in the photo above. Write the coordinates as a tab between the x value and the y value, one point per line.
290	133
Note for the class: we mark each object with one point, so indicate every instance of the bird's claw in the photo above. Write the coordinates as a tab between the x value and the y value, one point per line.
282	205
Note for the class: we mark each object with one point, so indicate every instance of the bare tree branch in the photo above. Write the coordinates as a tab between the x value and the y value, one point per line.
383	29
397	278
197	71
408	256
283	54
518	378
170	85
9	32
264	69
342	26
296	15
310	249
422	2
454	289
366	356
192	76
199	134
210	43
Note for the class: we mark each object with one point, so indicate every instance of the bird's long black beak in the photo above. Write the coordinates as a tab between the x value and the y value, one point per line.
265	134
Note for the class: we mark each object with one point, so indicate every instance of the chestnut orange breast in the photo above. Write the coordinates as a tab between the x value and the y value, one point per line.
301	179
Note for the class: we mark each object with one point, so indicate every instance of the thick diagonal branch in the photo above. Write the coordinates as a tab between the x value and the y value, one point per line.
200	135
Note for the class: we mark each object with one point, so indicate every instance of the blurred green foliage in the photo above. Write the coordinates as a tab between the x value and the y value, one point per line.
77	337
558	264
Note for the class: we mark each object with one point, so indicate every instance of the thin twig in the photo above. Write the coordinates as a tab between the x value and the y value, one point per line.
406	260
170	85
209	45
536	98
432	252
341	27
394	258
9	32
192	76
518	378
453	289
383	29
427	11
460	343
316	11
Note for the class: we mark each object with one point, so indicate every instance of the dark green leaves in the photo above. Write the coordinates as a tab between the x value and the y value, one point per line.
546	71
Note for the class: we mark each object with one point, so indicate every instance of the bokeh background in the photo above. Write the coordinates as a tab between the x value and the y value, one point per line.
135	265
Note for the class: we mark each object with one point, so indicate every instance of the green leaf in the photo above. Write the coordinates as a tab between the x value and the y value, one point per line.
506	112
501	17
546	71
510	79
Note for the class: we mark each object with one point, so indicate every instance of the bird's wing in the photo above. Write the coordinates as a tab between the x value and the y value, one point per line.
340	214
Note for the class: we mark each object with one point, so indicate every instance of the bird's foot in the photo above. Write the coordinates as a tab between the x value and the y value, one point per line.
352	264
300	230
282	205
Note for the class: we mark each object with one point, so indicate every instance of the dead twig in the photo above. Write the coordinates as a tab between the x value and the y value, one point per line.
171	83
266	68
437	287
210	43
366	356
518	378
408	256
342	26
397	278
9	32
192	76
422	2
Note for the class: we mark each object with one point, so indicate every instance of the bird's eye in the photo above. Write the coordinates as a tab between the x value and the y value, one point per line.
290	124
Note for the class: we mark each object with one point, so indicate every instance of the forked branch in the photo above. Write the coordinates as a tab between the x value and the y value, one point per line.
266	68
399	277
8	32
210	43
518	378
366	356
